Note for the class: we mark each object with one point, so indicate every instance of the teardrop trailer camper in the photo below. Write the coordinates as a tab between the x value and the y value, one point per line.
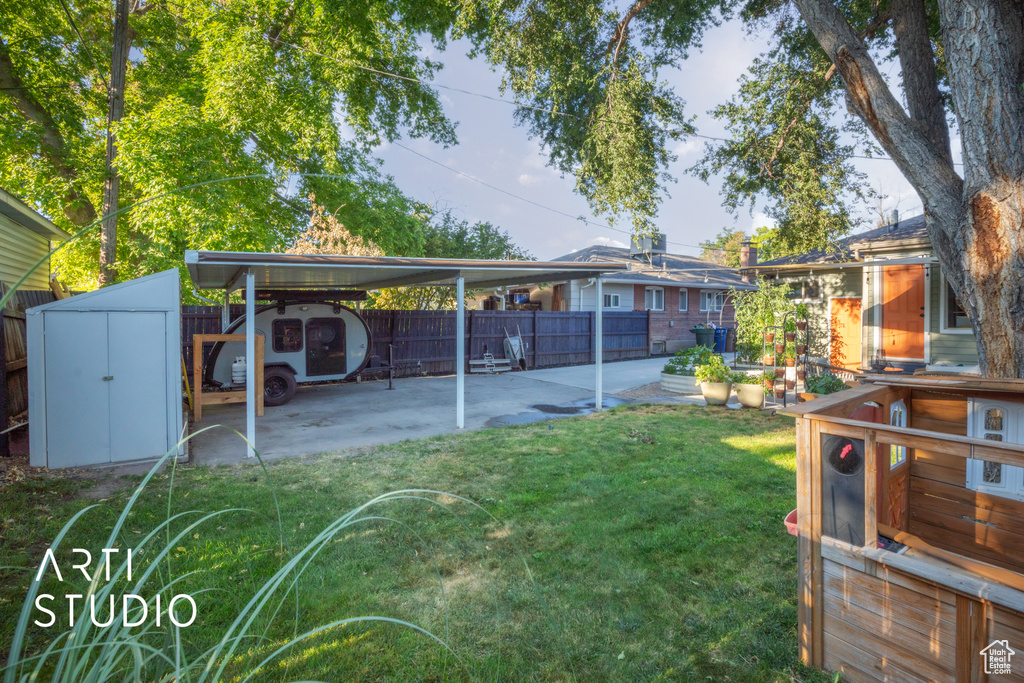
308	340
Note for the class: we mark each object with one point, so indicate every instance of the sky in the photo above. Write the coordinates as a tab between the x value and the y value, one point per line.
493	150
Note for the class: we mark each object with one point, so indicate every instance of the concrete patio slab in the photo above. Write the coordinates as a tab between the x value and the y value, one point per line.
334	417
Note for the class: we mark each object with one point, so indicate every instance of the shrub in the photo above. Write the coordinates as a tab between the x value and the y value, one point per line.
744	378
684	361
825	384
715	370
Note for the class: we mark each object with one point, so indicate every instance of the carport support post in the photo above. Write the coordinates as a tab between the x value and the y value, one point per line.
599	344
460	351
250	363
225	312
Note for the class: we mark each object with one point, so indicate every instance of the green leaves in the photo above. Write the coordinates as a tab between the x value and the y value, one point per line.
216	91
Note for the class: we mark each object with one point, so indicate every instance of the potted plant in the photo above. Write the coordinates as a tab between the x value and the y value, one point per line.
677	375
769	337
790	355
748	389
780	393
790	384
769	382
801	349
791	336
801	373
780	373
768	359
801	315
715	381
780	348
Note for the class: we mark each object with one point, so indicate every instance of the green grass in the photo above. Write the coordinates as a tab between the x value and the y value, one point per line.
649	561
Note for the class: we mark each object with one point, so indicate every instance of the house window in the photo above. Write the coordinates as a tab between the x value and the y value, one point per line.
805	290
897	418
712	300
611	300
996	421
684	305
654	299
954	317
287	335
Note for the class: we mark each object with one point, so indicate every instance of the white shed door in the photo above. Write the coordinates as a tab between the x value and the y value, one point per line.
106	387
77	407
138	391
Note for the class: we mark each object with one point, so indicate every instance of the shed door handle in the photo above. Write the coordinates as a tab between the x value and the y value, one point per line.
108	378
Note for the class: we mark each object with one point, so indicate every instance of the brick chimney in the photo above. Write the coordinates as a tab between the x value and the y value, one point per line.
748	258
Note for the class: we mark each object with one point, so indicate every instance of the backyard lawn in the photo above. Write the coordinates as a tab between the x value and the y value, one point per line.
653	538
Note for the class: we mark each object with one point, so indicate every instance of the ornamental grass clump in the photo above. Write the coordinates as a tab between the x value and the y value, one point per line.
121	613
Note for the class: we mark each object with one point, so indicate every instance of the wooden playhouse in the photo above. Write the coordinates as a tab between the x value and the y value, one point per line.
910	499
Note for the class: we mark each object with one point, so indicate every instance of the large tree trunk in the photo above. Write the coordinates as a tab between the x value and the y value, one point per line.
976	224
115	110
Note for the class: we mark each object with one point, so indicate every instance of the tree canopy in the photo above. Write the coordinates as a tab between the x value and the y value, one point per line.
213	91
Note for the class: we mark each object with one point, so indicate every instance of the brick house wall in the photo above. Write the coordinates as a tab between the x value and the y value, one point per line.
672	325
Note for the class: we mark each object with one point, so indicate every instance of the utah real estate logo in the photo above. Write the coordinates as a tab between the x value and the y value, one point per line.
997	657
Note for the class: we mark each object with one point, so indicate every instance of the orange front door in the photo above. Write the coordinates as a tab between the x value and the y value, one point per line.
903	312
844	346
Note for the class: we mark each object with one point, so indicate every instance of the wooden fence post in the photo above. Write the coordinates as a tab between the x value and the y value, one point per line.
534	339
5	442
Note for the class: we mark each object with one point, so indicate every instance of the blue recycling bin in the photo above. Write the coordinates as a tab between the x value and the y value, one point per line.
720	339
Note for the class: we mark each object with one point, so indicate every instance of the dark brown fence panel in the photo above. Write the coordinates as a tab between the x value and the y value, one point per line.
427	338
625	335
14	354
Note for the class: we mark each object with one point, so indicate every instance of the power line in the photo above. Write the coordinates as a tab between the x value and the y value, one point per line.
584	220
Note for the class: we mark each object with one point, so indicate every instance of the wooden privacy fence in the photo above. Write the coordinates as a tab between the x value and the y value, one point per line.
14	355
551	339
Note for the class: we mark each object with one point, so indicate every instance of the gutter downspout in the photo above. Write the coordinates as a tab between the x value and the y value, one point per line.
582	287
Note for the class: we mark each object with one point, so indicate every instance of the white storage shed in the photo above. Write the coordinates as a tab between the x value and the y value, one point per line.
104	373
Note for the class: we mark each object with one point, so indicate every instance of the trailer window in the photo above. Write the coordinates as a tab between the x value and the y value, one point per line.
996	421
287	335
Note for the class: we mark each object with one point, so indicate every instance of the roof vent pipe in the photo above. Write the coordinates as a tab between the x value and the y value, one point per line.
895	220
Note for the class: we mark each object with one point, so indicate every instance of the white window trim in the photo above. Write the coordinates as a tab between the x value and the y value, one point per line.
653	298
717	293
684	296
1012	485
802	280
900	451
943	312
614	299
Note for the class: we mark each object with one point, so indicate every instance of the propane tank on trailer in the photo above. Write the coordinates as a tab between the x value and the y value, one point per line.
238	371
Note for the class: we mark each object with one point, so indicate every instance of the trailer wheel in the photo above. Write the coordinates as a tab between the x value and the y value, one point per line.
278	386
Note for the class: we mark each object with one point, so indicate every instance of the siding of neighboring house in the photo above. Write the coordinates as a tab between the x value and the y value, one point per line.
20	248
834	284
945	347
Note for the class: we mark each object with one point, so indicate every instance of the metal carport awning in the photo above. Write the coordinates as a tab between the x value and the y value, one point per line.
231	270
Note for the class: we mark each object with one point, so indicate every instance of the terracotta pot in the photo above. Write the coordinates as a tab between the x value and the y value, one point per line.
790	384
780	393
791	336
780	349
769	338
801	325
780	373
768	360
769	384
801	349
790	362
716	393
801	373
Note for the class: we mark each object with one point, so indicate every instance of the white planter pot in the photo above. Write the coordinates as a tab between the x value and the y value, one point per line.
680	384
750	395
716	393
